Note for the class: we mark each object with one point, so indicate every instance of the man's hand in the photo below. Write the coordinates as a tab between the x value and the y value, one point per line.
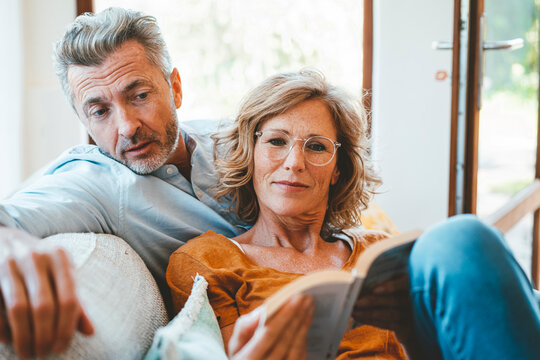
39	308
388	306
283	336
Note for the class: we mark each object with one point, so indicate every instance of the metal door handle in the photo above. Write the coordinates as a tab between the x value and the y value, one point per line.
503	45
486	45
441	45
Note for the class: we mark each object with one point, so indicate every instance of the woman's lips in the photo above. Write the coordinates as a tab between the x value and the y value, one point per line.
291	186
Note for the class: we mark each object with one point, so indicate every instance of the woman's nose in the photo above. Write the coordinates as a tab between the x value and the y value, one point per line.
295	158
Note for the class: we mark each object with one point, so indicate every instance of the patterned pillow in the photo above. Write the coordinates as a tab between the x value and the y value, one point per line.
374	218
193	334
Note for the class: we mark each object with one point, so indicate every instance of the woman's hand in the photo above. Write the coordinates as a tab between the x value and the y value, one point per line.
283	336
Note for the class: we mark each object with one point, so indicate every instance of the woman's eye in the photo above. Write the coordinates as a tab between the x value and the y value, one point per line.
277	142
317	147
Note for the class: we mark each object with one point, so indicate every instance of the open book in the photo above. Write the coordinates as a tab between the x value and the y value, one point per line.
335	291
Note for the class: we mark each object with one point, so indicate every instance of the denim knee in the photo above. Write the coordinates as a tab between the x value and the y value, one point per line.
469	294
460	246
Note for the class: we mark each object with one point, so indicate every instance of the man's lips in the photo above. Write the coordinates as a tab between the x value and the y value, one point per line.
138	149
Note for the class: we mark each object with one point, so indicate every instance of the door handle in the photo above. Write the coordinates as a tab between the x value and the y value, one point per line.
509	45
441	45
486	45
503	45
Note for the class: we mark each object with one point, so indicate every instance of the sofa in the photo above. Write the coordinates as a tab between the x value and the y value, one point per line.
123	301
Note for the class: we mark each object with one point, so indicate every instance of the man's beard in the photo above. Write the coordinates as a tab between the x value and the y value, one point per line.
155	160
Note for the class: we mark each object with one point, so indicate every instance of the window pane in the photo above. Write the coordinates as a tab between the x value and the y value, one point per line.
224	48
509	116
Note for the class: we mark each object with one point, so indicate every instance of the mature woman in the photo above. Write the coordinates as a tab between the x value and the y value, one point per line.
295	165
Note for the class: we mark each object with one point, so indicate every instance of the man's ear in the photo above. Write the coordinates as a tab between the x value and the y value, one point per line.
335	176
176	87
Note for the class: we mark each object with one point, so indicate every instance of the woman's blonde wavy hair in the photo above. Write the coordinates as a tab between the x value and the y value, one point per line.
234	147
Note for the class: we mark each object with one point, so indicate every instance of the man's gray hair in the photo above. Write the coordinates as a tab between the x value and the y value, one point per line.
91	38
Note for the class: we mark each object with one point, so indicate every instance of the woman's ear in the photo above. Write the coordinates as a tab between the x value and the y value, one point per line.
335	176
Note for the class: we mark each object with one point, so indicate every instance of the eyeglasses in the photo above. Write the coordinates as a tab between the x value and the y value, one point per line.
318	150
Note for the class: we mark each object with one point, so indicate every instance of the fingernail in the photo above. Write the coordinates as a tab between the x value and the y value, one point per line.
298	300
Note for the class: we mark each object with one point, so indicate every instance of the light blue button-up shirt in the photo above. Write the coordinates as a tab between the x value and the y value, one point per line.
86	191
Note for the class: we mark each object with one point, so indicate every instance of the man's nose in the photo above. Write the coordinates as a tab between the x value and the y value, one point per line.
127	122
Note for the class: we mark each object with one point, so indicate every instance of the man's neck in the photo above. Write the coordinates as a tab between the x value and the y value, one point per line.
181	158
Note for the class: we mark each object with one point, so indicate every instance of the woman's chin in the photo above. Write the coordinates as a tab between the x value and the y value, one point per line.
300	212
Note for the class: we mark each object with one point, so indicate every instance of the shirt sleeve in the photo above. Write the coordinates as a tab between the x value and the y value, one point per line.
182	270
76	196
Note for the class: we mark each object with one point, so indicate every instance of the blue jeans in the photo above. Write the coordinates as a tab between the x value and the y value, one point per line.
471	299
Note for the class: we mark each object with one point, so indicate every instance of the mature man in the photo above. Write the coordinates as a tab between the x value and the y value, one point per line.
148	181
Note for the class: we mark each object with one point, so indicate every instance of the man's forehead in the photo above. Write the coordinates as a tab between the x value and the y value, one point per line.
127	72
89	83
129	51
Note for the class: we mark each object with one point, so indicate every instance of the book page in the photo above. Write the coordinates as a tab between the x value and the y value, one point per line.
329	303
305	285
329	289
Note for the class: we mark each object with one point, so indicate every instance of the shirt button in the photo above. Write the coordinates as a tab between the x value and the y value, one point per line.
170	170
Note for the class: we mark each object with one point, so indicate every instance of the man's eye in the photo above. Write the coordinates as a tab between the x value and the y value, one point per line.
142	96
99	112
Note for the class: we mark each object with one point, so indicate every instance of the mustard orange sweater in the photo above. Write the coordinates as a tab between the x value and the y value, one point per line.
236	286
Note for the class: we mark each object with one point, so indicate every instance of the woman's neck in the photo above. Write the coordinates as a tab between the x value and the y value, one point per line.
302	235
292	246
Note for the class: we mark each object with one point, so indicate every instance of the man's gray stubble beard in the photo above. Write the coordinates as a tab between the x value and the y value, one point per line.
146	166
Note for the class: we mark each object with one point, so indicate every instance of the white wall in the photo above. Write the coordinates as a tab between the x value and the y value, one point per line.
11	95
39	123
50	125
411	109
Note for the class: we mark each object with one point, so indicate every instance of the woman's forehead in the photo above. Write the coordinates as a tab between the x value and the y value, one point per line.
308	117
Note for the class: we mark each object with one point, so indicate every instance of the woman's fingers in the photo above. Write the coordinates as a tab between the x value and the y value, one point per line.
244	329
299	344
279	335
292	340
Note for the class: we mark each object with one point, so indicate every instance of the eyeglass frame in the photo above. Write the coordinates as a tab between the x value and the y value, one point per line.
336	144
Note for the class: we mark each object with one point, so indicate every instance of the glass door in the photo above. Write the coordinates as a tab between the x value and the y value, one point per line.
508	112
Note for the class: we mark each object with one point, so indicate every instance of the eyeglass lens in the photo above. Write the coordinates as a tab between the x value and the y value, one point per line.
318	150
